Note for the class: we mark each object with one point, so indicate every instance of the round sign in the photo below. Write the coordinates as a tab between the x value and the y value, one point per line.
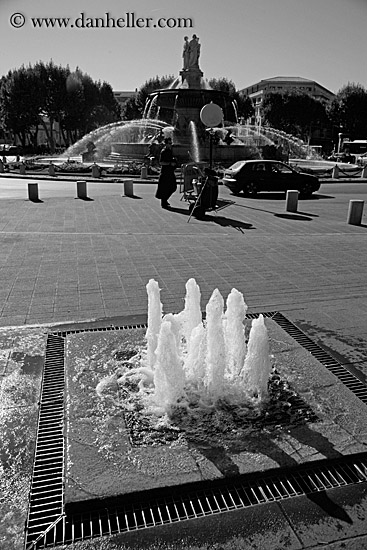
211	115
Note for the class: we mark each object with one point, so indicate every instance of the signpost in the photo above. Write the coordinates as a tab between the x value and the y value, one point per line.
211	115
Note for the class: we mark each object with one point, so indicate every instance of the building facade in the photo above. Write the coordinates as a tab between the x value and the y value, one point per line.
258	92
123	97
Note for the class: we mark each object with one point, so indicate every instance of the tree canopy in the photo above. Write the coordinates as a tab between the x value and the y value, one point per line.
46	93
135	106
294	112
348	110
244	107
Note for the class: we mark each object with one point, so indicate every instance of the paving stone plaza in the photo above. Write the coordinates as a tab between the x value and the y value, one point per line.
68	264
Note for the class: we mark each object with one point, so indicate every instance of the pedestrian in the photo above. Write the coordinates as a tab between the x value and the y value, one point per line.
167	184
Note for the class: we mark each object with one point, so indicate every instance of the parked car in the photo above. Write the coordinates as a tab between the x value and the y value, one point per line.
10	153
342	157
253	176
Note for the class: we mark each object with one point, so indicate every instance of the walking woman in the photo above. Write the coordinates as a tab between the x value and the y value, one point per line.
167	184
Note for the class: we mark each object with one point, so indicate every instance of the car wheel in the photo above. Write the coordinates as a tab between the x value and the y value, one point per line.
250	189
305	191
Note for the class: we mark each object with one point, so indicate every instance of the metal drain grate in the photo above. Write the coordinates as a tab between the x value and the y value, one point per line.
213	498
354	384
46	497
110	328
50	524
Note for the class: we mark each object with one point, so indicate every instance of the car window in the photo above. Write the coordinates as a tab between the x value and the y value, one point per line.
281	168
9	150
237	165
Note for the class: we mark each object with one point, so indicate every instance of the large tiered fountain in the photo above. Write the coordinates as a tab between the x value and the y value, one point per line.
181	104
175	112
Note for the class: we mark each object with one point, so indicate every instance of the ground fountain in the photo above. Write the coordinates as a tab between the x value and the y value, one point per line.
191	363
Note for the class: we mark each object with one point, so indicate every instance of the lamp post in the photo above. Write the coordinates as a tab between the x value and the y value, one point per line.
211	115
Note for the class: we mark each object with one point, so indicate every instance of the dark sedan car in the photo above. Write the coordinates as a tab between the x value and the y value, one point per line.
253	176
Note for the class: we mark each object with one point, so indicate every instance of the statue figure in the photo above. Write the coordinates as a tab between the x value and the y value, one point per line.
194	52
186	53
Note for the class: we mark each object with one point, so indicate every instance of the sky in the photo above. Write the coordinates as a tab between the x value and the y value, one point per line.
242	40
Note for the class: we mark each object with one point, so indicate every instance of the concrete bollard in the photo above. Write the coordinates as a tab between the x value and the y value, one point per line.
292	201
51	170
144	173
364	172
128	188
22	169
335	173
355	212
33	191
81	189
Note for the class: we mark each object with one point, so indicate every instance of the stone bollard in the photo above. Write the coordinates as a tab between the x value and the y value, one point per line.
144	173
292	201
51	170
355	212
128	188
335	173
22	169
81	189
33	191
364	172
96	171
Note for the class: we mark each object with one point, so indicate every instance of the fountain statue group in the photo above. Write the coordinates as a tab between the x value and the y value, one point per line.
191	53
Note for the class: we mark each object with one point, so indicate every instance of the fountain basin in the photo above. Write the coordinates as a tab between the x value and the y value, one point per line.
104	459
223	154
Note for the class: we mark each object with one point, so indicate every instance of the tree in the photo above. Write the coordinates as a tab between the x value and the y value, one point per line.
135	106
348	110
52	90
89	105
47	93
243	104
295	112
20	104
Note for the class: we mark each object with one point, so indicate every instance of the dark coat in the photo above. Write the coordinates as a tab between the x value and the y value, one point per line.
167	184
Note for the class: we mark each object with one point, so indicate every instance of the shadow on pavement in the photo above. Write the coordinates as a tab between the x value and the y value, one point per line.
86	199
220	220
294	217
282	196
36	201
222	457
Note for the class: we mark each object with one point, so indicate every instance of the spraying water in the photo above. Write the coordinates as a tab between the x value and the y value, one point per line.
188	360
195	149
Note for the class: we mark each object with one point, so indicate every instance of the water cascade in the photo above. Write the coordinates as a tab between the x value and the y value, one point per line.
190	361
195	150
134	134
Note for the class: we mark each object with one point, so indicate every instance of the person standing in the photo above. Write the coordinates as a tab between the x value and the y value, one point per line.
167	184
